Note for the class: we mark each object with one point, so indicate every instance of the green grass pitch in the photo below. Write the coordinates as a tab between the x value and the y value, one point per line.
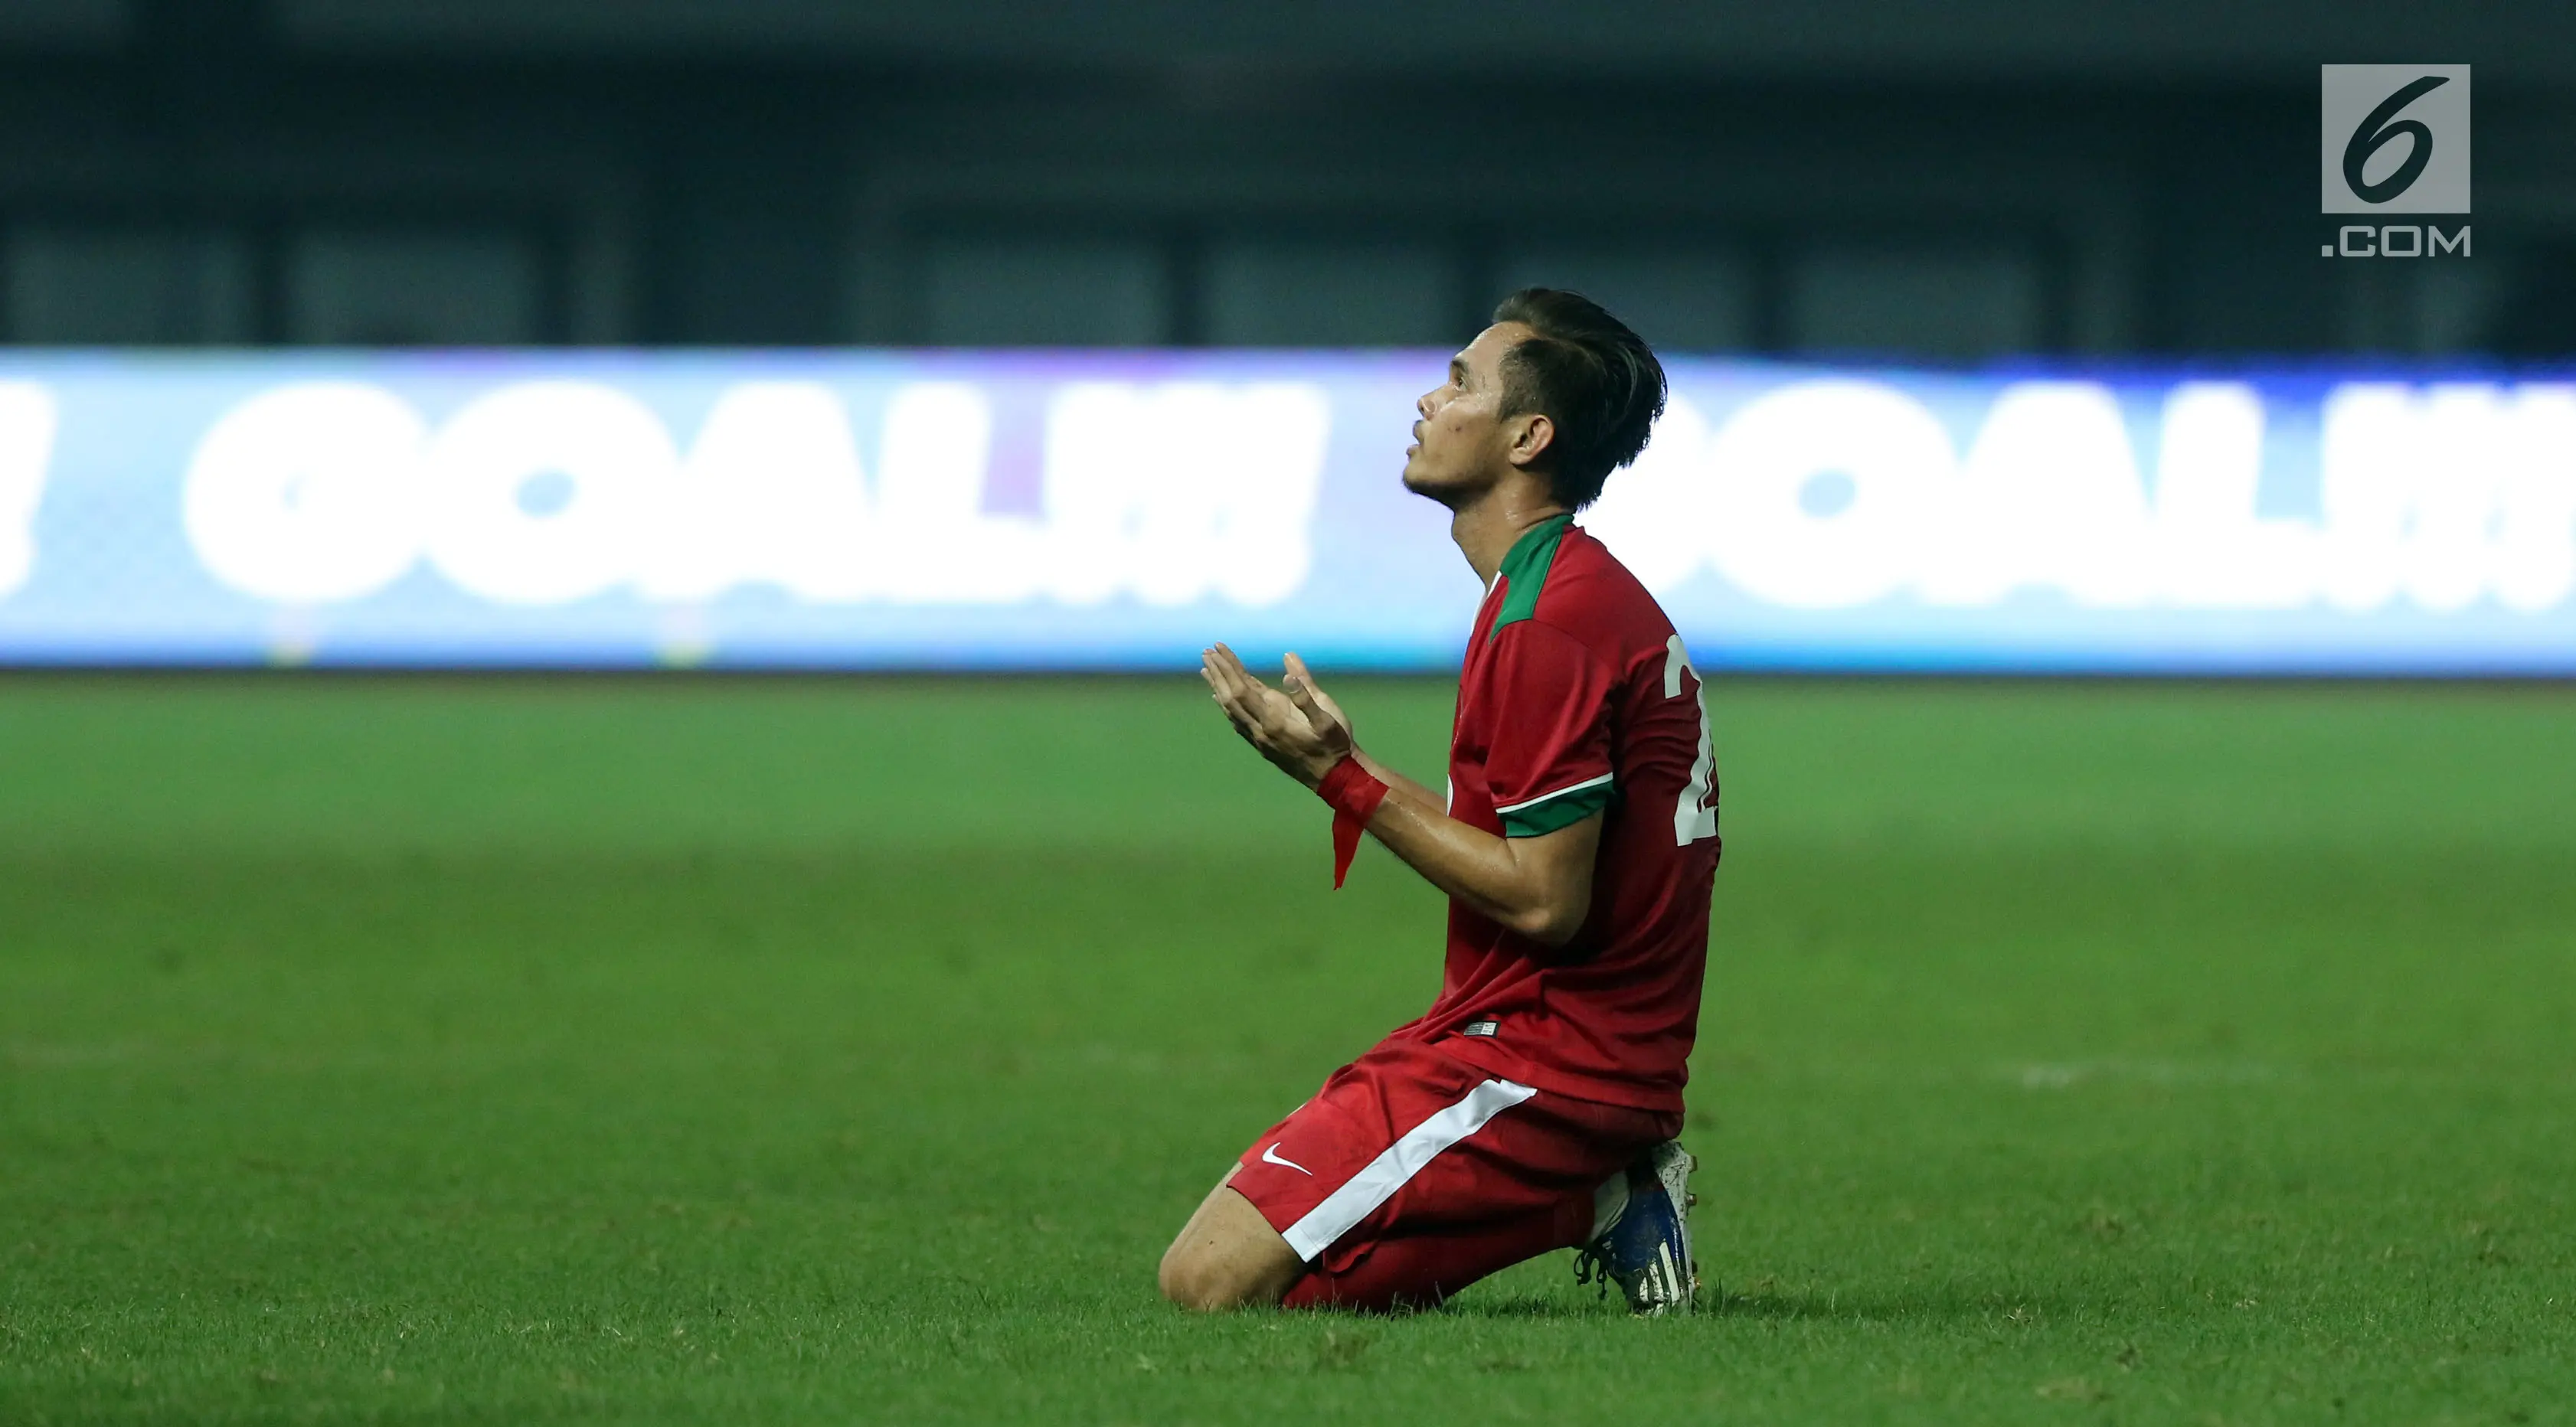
382	1050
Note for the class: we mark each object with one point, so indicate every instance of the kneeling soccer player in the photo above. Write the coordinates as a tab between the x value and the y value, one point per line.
1533	1107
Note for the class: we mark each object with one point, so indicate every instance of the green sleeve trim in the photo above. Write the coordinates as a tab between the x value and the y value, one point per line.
1546	815
1524	571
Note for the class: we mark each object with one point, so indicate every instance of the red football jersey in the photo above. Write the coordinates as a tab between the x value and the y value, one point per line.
1576	697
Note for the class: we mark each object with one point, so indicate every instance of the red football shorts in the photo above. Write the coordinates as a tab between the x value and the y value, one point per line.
1411	1175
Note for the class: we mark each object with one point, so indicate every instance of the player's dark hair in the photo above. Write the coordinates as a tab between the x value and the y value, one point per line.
1596	381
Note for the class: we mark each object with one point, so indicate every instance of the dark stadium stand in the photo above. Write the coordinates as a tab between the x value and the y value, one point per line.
1959	182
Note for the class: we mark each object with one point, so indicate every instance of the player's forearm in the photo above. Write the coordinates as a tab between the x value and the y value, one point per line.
1399	785
1477	867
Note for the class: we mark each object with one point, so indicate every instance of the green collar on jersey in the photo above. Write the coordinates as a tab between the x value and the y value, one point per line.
1524	571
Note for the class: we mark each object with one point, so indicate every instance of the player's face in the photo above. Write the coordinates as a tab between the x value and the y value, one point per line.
1461	444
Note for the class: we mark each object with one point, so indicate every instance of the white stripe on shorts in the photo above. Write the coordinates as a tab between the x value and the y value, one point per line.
1377	1182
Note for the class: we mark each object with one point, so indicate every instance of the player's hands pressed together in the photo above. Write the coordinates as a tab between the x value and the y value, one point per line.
1538	886
1302	730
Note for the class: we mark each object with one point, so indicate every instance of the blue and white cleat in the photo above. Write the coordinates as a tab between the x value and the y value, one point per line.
1646	1249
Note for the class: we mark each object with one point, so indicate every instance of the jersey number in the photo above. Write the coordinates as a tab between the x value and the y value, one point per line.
1694	816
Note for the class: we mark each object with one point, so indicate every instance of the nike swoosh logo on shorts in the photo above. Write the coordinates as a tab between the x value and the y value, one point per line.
1271	1156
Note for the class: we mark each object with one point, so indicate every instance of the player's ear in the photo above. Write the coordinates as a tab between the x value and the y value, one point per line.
1531	434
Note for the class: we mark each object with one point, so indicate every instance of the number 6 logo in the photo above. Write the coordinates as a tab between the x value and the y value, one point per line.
2381	126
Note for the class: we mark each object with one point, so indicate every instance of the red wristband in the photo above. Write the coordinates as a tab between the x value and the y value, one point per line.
1354	794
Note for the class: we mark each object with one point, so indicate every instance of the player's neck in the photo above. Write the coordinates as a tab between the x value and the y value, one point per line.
1487	527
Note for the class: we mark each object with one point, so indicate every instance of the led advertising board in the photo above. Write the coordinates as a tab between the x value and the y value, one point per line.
939	510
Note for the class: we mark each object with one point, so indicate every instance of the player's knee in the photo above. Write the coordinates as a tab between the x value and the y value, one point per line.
1189	1277
1198	1278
